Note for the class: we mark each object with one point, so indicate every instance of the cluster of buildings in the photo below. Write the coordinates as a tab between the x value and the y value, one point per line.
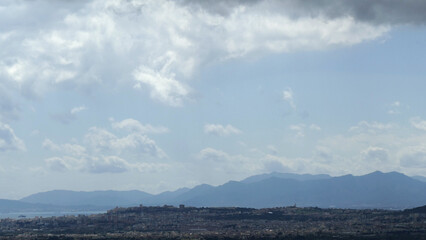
205	223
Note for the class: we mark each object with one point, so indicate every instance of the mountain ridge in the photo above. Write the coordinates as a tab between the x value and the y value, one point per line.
391	190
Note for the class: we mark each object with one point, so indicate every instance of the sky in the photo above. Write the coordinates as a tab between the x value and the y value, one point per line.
159	95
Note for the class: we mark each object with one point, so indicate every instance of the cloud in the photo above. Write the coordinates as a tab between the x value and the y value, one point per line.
72	149
301	128
371	127
375	154
77	110
272	149
66	163
384	148
8	140
211	154
213	160
288	97
220	130
396	104
162	87
390	12
68	117
368	147
108	164
103	141
395	108
9	107
315	127
159	45
133	125
101	164
217	162
104	152
418	123
413	157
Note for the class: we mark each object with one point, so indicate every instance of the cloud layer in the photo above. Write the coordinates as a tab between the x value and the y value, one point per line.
156	46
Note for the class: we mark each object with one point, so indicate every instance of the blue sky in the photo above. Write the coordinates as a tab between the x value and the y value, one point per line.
157	95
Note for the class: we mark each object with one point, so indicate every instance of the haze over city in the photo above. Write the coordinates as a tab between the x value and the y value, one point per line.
159	95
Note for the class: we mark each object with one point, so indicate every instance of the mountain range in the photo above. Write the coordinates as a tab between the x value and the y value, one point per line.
391	190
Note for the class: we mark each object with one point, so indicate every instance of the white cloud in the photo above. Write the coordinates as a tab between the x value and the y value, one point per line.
9	107
67	148
418	123
108	164
105	152
152	44
133	125
395	108
214	160
300	129
315	127
361	152
288	97
69	116
101	164
396	104
8	139
162	87
77	110
103	141
371	127
211	154
375	154
413	157
220	130
368	147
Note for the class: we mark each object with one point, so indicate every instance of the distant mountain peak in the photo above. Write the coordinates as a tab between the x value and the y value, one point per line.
373	190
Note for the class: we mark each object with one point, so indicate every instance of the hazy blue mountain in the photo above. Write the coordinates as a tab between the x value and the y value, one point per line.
374	190
300	177
95	198
164	197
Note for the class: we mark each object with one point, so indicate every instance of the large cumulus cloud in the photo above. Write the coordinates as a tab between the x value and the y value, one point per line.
105	152
156	46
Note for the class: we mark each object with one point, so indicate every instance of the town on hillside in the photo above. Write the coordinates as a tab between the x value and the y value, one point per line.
169	222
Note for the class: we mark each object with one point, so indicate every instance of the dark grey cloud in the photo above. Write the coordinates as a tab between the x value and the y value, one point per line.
222	7
391	12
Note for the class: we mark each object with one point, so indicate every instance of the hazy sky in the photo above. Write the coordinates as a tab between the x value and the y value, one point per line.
157	95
